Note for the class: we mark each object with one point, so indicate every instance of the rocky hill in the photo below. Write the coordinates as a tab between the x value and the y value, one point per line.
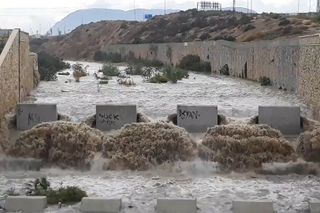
185	26
86	16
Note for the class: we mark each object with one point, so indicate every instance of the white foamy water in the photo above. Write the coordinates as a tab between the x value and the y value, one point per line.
235	97
214	191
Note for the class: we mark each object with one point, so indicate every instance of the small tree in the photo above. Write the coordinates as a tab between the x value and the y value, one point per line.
78	71
110	70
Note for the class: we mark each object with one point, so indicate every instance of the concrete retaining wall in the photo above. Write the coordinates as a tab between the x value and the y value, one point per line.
17	67
277	60
291	64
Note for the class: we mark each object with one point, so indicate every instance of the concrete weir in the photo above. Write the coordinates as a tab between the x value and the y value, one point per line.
176	206
26	204
29	115
100	205
314	207
112	117
285	119
252	207
197	118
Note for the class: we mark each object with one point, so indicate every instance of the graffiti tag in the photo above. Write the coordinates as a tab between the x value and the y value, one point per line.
186	114
109	119
33	118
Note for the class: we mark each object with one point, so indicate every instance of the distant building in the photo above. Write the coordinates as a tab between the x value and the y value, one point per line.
208	5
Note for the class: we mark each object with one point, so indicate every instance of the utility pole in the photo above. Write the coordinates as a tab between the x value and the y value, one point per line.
165	7
134	10
298	6
234	5
318	6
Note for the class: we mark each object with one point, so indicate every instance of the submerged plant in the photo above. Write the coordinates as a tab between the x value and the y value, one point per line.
41	187
110	70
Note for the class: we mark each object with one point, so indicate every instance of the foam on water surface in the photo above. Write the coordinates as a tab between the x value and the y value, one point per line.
214	191
236	98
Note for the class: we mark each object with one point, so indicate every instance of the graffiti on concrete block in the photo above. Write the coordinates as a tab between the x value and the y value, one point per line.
187	114
109	119
33	118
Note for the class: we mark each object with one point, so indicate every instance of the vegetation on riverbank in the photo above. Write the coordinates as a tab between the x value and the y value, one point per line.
78	71
64	195
49	66
194	63
110	70
3	41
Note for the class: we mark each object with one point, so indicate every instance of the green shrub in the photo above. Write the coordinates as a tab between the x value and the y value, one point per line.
159	79
78	71
226	38
317	19
41	187
166	74
110	70
49	66
194	63
131	59
225	70
70	194
284	22
3	42
248	28
265	81
274	15
113	57
174	74
103	82
244	20
205	36
99	56
134	69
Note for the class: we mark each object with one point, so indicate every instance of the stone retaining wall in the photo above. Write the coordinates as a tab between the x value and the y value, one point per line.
17	67
291	64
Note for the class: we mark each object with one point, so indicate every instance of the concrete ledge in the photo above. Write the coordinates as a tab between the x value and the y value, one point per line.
285	119
112	117
314	207
26	204
100	205
176	206
252	207
29	115
197	118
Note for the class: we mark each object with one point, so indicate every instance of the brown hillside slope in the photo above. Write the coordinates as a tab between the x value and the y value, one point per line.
190	25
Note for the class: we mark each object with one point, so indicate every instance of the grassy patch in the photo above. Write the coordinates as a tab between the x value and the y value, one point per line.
66	195
134	69
194	63
168	74
49	66
265	81
110	70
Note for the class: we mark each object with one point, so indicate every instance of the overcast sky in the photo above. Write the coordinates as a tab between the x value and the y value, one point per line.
40	15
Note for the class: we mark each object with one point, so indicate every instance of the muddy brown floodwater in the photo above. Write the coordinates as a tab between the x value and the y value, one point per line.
214	191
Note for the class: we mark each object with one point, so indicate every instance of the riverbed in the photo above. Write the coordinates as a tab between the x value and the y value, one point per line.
214	191
235	98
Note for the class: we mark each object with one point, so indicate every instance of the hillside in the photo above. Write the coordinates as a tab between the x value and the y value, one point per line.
186	26
85	16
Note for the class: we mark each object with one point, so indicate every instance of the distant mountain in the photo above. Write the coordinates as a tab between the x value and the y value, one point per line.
239	9
86	16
